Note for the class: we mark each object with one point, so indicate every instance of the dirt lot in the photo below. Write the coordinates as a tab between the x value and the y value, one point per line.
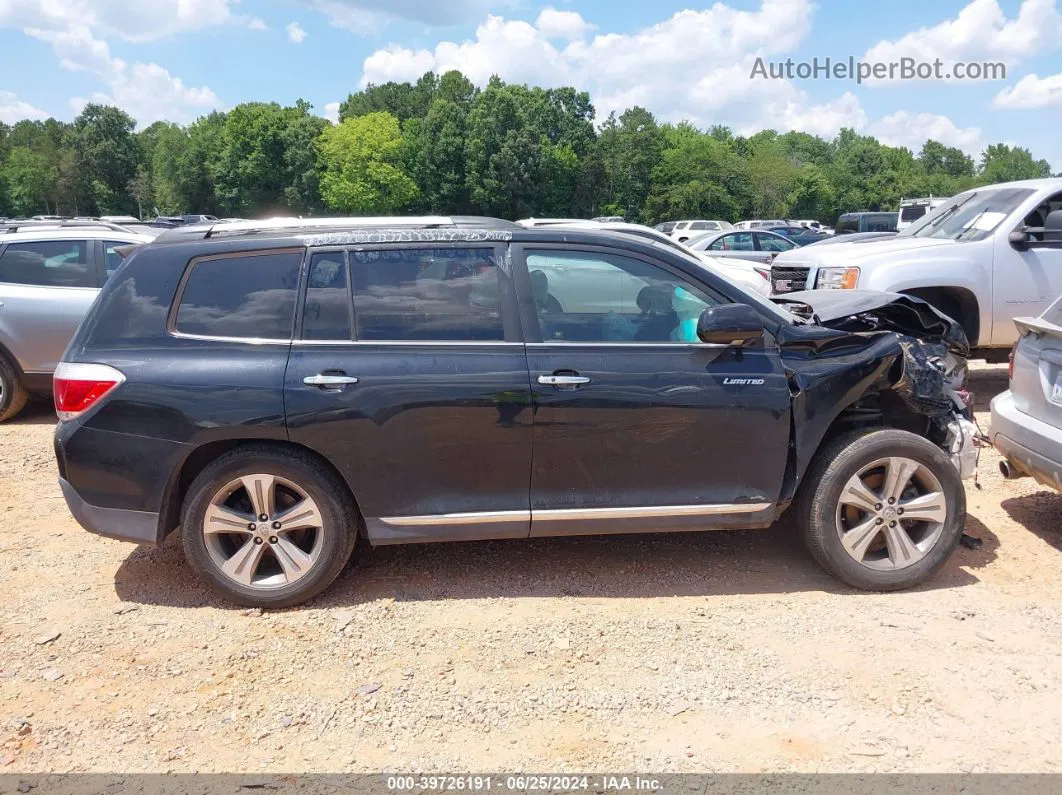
699	652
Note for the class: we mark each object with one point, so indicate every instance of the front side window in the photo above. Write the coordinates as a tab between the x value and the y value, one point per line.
421	294
247	297
596	297
50	263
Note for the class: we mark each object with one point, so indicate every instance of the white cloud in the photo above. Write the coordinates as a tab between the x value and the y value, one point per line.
256	23
397	64
362	16
295	33
980	31
904	128
554	24
147	91
13	109
1031	92
142	21
332	112
687	67
824	120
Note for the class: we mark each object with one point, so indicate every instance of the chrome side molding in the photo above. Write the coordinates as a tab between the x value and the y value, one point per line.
565	514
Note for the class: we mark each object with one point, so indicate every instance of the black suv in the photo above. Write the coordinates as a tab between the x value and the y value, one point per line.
278	391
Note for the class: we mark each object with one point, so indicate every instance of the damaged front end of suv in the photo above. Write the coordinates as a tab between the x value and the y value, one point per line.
860	358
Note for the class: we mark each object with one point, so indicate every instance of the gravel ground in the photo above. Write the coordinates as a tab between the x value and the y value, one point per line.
725	651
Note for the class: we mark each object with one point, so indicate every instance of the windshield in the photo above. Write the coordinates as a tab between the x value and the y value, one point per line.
969	216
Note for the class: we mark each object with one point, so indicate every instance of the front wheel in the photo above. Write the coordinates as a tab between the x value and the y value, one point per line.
268	527
882	509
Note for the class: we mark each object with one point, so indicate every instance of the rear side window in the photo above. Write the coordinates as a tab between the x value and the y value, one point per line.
248	297
111	256
427	294
50	263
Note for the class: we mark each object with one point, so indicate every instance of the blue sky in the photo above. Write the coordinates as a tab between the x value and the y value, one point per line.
177	59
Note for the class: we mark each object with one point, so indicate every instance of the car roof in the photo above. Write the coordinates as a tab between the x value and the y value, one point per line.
73	233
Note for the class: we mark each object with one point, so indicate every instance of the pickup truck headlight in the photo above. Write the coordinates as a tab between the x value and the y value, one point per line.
837	278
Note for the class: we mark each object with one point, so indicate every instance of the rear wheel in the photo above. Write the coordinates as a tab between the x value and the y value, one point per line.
13	395
882	510
268	527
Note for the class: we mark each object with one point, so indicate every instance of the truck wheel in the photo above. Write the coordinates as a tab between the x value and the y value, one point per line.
13	395
268	527
882	509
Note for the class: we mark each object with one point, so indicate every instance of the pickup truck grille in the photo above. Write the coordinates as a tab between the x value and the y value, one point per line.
788	280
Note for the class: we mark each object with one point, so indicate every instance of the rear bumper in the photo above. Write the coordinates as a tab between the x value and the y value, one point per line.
139	527
1030	445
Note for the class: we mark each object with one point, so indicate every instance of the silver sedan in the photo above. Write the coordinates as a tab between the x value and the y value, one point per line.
1027	418
750	245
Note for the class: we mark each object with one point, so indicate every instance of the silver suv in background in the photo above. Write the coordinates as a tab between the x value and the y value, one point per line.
49	277
1027	419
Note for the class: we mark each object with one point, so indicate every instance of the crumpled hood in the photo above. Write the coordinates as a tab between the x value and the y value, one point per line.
859	252
861	311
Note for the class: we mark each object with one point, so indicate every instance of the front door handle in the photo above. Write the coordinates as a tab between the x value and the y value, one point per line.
329	380
563	380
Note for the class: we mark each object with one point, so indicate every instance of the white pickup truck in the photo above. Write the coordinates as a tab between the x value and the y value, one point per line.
980	258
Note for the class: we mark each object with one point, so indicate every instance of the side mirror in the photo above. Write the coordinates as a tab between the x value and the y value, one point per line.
729	324
1019	239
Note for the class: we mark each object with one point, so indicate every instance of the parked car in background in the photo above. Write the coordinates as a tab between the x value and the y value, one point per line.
754	246
757	282
865	222
667	227
913	209
49	277
687	230
816	226
1027	419
980	258
760	223
276	392
800	235
613	219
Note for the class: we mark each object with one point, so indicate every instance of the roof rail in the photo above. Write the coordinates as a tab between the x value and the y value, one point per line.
225	229
11	227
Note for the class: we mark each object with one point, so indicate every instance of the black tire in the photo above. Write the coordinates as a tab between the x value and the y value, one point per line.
821	492
13	395
328	491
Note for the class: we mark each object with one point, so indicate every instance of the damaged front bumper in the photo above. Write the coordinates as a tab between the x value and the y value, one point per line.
961	443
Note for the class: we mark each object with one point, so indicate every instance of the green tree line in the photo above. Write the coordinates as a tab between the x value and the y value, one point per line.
442	145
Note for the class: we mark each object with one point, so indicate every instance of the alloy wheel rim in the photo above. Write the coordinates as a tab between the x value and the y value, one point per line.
891	514
263	531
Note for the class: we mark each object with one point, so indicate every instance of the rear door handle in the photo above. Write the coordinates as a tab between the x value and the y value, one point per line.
329	380
563	380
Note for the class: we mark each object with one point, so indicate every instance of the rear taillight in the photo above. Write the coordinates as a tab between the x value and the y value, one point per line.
78	387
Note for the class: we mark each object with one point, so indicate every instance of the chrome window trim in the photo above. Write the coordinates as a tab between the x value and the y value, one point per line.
412	343
636	512
247	340
658	345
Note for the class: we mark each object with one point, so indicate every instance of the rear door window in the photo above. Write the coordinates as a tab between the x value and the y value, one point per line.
112	259
51	263
326	315
427	294
244	297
